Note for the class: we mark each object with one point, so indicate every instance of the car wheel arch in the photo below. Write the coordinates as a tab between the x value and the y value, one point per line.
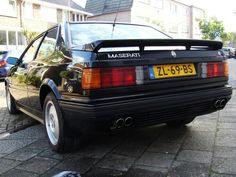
46	87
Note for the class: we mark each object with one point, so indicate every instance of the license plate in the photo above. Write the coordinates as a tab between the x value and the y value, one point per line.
172	70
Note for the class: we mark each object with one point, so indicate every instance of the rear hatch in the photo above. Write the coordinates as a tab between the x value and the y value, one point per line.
153	67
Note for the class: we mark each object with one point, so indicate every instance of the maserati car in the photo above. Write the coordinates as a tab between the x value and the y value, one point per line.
82	76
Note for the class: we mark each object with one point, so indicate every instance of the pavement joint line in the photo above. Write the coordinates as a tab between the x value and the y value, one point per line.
21	162
20	170
145	150
177	153
53	167
104	156
214	144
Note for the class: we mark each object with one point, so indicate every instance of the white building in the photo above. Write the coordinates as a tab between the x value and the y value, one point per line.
175	18
34	15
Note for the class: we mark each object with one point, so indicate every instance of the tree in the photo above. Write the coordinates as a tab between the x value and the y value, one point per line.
29	35
158	24
232	39
209	27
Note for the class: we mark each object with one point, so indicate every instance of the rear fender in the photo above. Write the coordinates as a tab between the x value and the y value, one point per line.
50	83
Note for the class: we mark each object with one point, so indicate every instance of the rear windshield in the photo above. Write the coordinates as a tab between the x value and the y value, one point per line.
86	33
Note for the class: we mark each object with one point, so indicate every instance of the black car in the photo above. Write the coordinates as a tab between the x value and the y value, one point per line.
77	77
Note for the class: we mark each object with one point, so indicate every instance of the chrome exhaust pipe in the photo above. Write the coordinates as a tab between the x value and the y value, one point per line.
128	121
119	123
222	103
217	103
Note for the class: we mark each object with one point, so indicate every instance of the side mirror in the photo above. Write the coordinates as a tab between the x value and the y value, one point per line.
12	60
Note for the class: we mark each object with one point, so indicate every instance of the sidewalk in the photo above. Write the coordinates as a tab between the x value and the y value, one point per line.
11	123
206	147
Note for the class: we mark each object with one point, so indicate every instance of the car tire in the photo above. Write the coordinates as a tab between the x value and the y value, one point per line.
57	133
11	104
181	122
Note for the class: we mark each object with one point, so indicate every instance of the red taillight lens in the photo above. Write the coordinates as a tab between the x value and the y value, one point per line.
108	77
123	76
217	69
2	63
117	77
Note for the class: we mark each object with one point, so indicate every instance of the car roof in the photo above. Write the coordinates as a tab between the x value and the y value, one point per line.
107	22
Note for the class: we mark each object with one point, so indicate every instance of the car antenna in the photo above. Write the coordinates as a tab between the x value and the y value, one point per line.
114	22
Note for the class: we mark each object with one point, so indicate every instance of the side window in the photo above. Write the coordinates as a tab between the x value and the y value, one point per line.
48	45
29	55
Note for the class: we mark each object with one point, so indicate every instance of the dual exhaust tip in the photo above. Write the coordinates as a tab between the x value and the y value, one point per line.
220	103
128	121
123	122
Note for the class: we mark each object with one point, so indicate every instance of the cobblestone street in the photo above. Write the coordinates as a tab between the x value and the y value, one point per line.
11	123
206	147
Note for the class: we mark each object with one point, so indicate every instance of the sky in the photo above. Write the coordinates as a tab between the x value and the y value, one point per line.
223	10
81	2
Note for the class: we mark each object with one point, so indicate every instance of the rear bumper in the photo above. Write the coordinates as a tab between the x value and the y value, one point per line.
146	110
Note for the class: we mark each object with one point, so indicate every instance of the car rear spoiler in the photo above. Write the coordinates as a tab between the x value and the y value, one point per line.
141	43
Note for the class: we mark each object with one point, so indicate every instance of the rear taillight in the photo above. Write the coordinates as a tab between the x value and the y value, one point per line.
95	78
91	78
214	69
2	63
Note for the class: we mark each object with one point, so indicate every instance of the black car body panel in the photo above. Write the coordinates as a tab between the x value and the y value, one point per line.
147	109
56	66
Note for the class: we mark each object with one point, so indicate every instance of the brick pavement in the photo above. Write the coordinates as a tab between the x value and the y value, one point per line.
205	148
11	123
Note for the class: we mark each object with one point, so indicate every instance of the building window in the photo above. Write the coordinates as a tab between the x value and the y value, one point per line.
12	37
36	10
145	1
12	7
81	18
185	29
143	19
59	15
3	38
8	8
184	11
77	17
28	10
73	17
21	38
173	8
197	30
173	29
157	3
49	14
